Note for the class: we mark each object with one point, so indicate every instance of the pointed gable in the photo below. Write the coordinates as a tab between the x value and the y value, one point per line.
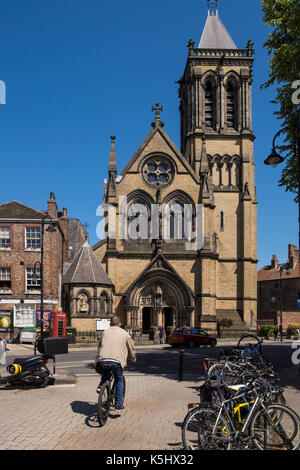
158	141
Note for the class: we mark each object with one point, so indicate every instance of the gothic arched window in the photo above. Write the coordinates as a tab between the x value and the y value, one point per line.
231	105
104	304
209	93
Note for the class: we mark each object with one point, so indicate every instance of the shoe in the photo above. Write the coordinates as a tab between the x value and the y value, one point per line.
120	407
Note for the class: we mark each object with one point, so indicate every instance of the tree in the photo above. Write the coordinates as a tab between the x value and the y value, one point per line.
283	47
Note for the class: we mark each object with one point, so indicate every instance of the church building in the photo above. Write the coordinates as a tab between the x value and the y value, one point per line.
205	192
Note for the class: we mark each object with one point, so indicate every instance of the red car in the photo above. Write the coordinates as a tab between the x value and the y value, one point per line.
191	338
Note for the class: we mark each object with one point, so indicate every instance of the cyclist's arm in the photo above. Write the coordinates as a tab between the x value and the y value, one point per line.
130	348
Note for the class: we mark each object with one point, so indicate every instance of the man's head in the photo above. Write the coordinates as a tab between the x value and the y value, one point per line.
115	321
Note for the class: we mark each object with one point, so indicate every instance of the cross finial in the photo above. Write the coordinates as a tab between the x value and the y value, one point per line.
158	109
212	7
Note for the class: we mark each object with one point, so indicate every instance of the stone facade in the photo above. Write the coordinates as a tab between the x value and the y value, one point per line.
163	280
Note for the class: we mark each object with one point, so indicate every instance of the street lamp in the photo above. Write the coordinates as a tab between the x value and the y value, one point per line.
51	229
284	267
275	159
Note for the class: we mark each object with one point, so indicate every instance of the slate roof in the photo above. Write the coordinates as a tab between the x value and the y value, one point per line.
86	269
215	35
16	210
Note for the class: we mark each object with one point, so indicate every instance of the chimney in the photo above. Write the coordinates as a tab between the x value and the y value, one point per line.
274	262
52	206
64	212
292	256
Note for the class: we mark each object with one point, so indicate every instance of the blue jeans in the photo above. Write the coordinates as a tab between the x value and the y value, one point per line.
119	380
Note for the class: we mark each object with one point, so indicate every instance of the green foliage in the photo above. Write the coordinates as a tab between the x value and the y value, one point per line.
225	323
266	330
283	45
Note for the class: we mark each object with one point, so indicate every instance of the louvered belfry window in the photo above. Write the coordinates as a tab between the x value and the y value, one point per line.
209	105
230	105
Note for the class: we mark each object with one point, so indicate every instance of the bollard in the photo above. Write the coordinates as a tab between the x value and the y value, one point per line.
180	365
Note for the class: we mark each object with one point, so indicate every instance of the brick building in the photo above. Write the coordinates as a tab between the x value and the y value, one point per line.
20	256
268	309
162	279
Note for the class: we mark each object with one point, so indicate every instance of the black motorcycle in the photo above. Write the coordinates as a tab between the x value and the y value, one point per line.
29	371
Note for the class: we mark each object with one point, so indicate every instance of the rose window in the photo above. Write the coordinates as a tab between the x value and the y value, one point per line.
158	171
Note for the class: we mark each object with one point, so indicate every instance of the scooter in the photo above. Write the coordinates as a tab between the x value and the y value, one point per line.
29	371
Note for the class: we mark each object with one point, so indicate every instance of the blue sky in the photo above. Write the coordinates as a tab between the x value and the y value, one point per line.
79	71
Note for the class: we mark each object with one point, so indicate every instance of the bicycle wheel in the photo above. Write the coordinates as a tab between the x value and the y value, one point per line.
278	429
250	343
104	403
202	430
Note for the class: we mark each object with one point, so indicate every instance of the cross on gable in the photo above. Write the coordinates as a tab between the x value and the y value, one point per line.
157	108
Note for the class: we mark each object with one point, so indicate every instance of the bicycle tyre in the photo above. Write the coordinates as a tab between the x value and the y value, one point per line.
283	434
197	430
104	403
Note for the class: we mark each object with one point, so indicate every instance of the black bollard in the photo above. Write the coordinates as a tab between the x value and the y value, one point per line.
180	365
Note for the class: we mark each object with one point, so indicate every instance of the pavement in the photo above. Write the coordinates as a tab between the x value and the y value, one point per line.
63	416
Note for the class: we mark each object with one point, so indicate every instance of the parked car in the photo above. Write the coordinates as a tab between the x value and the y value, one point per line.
191	338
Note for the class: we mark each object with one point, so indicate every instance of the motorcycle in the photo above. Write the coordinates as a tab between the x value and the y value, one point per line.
29	371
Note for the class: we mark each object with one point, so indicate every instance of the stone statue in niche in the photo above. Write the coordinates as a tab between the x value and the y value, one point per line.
83	303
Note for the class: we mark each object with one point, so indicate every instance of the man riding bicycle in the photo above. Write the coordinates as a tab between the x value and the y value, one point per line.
114	347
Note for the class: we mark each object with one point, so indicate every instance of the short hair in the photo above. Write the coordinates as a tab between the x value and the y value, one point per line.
115	321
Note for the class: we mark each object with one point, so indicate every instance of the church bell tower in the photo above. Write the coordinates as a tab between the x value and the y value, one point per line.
217	141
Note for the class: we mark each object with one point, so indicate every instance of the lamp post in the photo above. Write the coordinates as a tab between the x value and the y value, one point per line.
49	229
275	159
284	267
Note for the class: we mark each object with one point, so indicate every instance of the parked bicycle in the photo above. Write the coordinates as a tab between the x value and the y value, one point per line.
218	424
241	405
107	393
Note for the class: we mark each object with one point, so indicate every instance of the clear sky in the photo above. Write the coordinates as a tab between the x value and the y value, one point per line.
79	71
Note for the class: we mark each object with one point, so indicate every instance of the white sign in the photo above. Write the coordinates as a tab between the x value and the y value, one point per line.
103	324
24	316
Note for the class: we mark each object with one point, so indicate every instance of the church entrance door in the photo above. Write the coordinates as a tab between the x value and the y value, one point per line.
167	317
146	319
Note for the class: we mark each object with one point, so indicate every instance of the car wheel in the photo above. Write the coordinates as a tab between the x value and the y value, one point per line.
191	344
213	343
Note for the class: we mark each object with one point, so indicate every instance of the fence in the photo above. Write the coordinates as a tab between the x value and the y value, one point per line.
93	336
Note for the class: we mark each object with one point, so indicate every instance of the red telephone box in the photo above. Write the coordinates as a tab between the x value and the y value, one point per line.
58	323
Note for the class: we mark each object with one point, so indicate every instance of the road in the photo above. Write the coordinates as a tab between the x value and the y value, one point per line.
163	360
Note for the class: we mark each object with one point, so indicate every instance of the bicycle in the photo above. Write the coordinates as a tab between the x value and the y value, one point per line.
107	393
266	426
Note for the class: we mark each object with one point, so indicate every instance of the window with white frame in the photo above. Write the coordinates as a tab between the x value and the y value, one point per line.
33	280
33	237
5	279
4	238
24	316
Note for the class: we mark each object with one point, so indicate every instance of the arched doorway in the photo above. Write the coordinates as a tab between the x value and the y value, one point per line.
159	297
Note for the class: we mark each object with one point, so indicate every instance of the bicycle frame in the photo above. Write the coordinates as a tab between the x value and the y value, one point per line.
258	402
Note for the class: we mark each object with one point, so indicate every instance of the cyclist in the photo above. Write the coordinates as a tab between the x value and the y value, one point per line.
114	347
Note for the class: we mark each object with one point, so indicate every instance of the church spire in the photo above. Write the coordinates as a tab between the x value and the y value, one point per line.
112	167
215	35
212	7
